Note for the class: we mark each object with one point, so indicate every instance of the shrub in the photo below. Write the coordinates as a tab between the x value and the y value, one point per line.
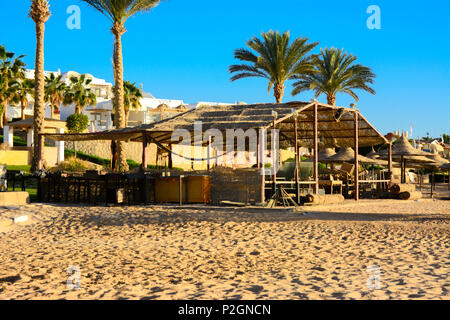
72	165
77	123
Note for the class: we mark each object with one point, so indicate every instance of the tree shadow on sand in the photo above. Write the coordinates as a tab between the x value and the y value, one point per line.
161	216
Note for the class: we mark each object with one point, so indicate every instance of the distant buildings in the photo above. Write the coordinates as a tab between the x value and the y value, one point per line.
101	115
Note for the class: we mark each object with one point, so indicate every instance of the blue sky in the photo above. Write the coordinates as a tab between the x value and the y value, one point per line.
182	50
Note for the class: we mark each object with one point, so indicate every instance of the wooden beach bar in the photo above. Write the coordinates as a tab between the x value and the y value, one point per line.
311	125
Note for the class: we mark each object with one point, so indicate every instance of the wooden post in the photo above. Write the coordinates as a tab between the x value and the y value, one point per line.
297	190
390	163
402	169
261	165
356	172
113	155
208	153
316	152
432	182
180	189
144	152
274	160
258	163
170	156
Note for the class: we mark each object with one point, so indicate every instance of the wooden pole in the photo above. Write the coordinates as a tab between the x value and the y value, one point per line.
208	154
356	172
316	152
432	182
144	152
297	191
274	159
390	162
261	163
258	157
170	157
402	169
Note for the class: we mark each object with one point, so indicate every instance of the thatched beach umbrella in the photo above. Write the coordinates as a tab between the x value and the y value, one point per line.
372	154
375	156
347	155
437	158
404	152
323	154
445	166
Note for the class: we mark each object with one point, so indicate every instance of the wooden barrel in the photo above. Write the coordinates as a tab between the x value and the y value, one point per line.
402	187
322	199
414	195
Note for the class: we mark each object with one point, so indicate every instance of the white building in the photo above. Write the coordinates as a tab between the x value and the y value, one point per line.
101	115
101	88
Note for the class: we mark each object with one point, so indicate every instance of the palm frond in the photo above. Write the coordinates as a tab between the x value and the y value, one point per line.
274	57
334	71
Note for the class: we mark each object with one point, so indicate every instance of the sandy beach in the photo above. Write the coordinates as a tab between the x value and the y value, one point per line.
370	250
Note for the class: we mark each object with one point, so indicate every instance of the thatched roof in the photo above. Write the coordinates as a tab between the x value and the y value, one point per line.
48	123
332	133
347	155
445	166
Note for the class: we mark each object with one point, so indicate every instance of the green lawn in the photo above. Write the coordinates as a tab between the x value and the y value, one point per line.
17	141
25	168
32	192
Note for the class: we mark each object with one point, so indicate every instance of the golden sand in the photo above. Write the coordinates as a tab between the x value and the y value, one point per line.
370	250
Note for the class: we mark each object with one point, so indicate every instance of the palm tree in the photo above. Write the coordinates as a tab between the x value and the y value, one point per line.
54	91
132	96
79	93
12	70
22	90
335	72
6	94
118	11
276	59
40	13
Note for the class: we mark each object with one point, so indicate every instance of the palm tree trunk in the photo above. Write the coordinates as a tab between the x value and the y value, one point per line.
331	100
5	116
22	111
118	30
51	112
278	92
39	106
127	112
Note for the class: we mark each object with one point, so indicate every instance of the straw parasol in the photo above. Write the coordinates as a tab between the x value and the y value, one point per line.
402	150
375	156
347	155
445	166
323	154
372	154
437	158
